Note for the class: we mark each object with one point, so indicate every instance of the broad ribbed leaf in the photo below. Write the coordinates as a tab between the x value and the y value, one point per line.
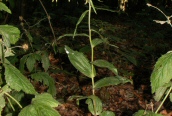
10	34
42	105
45	99
80	62
106	64
30	63
45	61
16	80
94	101
162	73
4	7
107	113
107	81
46	80
96	42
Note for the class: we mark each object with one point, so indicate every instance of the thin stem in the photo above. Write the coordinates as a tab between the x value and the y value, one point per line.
48	16
13	99
11	104
164	100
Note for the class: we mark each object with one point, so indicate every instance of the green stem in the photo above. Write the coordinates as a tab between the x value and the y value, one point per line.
13	99
92	55
164	100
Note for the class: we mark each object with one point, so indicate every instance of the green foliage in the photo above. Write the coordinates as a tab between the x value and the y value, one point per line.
44	78
161	74
16	80
145	113
107	113
106	64
4	7
94	105
41	105
80	62
107	81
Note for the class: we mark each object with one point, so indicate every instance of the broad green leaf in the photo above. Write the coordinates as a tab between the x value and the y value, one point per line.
16	80
106	64
10	34
45	99
4	7
96	42
80	62
4	90
94	105
107	113
160	92
107	81
145	113
29	111
46	80
79	21
30	63
22	62
162	73
41	105
45	61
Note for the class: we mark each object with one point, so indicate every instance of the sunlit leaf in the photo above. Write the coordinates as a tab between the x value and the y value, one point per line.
162	73
107	81
80	62
94	104
107	113
106	64
16	80
160	92
41	105
10	34
4	7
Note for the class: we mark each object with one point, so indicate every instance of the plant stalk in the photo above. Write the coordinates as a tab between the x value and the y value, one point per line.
164	100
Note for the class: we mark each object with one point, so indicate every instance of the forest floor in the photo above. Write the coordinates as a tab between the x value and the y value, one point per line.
140	43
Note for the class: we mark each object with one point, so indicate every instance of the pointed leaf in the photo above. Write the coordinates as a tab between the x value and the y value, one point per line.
96	42
162	73
79	21
107	81
22	62
16	80
4	7
107	113
80	62
30	63
94	105
46	80
45	99
10	34
106	64
45	61
42	105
